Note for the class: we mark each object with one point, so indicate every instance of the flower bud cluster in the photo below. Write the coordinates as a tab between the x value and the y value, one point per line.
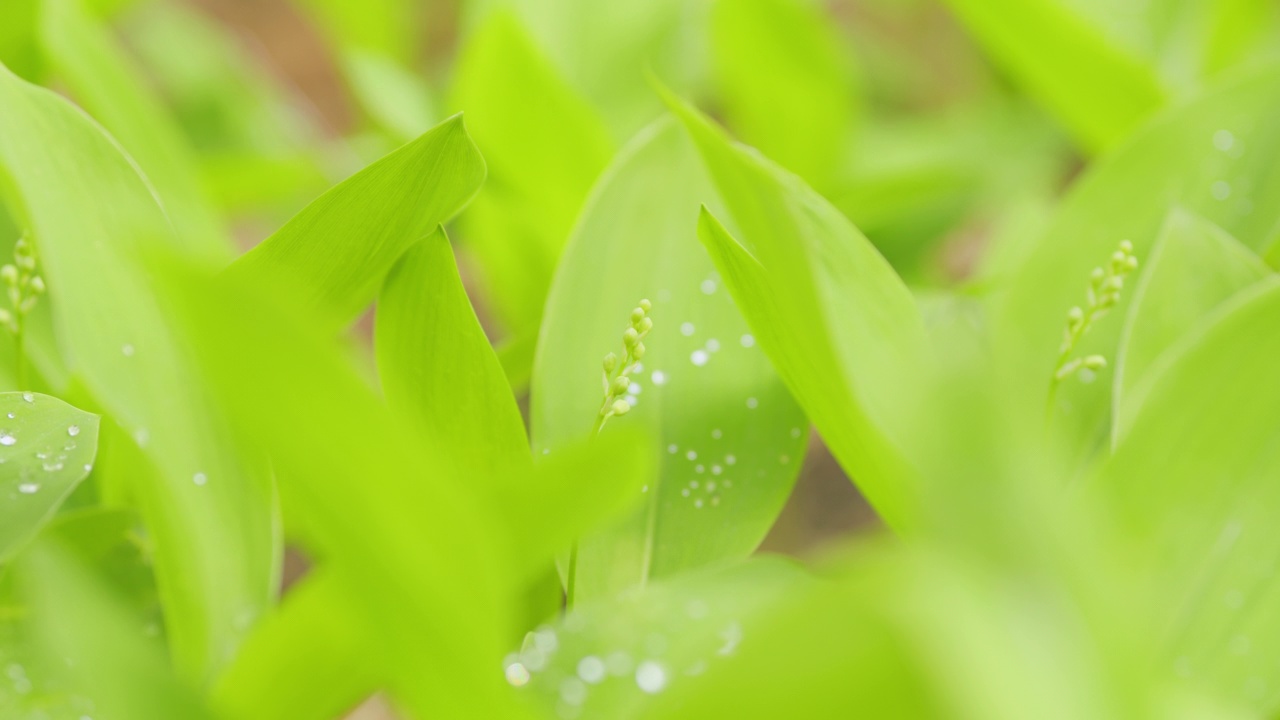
24	286
616	376
1103	294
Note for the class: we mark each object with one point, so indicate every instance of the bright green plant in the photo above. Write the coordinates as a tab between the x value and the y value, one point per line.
222	498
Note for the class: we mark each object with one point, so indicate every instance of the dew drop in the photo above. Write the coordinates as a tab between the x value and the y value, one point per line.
673	448
716	469
141	436
730	459
650	677
686	329
28	488
747	340
1221	190
632	400
29	397
634	388
517	674
716	434
54	466
684	492
700	468
591	669
12	416
713	345
74	430
693	484
698	503
708	286
692	455
752	403
7	439
1224	140
658	377
644	489
199	478
126	350
699	357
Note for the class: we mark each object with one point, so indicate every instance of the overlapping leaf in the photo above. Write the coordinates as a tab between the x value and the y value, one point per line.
1193	479
731	439
1193	269
787	83
340	247
1211	157
1100	89
616	657
206	507
46	448
105	82
833	317
545	145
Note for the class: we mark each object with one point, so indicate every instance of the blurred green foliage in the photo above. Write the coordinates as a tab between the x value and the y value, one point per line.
878	217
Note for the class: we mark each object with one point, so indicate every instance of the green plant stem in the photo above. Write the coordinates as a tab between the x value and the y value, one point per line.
571	576
19	356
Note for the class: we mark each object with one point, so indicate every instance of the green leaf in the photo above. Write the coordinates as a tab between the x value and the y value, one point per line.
1194	268
730	438
615	656
298	663
208	509
439	372
421	560
103	79
545	146
605	48
786	82
105	655
916	633
838	324
1192	479
1210	157
1099	89
46	448
340	247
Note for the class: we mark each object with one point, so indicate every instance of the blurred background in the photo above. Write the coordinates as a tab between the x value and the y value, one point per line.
922	120
917	118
